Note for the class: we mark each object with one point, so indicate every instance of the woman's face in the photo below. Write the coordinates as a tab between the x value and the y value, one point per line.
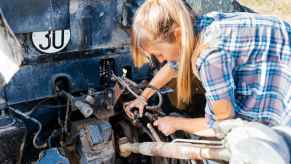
163	51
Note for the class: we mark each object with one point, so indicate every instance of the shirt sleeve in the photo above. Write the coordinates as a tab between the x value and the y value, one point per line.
216	76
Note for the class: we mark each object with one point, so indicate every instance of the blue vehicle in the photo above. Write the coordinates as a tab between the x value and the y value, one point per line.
66	70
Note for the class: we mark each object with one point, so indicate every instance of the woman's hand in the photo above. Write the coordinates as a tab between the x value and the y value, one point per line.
165	74
138	103
167	125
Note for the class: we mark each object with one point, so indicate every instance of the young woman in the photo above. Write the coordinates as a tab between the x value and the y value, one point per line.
243	61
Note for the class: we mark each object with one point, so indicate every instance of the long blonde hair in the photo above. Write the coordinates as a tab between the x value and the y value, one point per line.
154	20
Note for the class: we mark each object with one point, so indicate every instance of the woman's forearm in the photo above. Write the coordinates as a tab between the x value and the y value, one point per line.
164	75
191	125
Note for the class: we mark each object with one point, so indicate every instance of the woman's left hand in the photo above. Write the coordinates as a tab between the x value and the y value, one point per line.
167	125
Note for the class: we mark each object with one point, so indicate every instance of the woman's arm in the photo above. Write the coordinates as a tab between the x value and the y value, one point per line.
223	110
169	125
164	75
191	125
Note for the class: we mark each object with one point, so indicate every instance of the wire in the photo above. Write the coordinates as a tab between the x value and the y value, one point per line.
37	146
36	106
53	134
160	99
67	115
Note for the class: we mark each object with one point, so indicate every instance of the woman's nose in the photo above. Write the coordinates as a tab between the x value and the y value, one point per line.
161	59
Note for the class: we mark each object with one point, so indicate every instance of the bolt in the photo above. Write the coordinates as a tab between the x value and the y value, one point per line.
109	95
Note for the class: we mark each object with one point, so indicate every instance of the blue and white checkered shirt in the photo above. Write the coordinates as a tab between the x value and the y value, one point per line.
248	62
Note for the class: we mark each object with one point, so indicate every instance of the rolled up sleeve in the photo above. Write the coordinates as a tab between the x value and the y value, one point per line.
216	76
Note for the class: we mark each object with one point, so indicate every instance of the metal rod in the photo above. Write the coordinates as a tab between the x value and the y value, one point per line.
201	143
154	133
184	151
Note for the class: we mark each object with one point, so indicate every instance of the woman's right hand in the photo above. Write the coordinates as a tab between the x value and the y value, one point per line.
138	103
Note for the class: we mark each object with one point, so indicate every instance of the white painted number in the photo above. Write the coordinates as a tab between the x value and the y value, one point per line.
51	41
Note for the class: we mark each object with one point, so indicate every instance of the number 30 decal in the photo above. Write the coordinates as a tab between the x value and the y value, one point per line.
51	41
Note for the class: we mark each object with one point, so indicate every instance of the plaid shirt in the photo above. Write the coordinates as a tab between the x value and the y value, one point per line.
248	62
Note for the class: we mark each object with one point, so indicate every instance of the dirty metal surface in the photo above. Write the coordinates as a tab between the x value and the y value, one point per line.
33	15
94	24
98	30
12	136
28	85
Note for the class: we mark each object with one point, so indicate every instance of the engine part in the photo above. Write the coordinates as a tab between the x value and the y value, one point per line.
174	150
131	86
153	132
104	103
52	156
84	108
96	142
90	98
12	139
105	68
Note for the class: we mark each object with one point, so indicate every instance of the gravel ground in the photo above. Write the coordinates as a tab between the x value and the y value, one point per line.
280	8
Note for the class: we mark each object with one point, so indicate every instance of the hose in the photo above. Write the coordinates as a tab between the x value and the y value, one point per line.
37	146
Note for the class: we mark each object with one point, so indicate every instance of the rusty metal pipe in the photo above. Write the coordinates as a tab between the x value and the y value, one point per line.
154	133
184	151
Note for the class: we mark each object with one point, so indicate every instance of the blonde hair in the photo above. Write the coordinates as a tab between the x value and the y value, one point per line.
154	20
